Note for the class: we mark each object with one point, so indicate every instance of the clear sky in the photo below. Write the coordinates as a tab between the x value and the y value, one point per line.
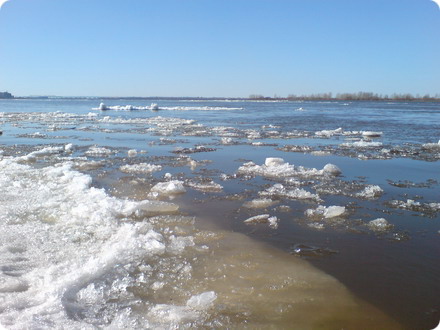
230	48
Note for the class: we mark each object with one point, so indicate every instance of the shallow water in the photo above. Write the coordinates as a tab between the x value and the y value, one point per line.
135	218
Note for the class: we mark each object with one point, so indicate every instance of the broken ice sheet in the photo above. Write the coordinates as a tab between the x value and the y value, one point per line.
260	203
275	167
425	209
263	218
379	225
308	251
279	191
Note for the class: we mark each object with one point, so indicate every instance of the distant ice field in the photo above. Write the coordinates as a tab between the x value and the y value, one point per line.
174	213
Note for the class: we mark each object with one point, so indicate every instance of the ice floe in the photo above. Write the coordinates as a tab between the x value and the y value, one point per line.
259	203
96	151
326	212
432	146
362	144
379	225
173	187
277	167
370	134
263	218
204	185
155	107
370	192
426	209
280	191
140	168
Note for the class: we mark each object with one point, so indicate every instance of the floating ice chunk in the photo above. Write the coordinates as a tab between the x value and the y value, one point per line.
325	212
202	301
45	152
68	148
260	203
332	169
99	151
48	151
370	192
209	186
273	222
320	153
362	144
371	134
276	167
329	133
173	187
379	225
316	225
433	146
278	190
171	315
227	141
132	152
334	211
178	244
87	165
273	161
140	168
263	218
412	205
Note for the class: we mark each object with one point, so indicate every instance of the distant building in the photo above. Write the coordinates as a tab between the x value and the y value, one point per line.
6	95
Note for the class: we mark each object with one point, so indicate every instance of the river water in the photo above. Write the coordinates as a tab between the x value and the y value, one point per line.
219	213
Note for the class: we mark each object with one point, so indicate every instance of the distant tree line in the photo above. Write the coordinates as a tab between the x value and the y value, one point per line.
6	95
360	96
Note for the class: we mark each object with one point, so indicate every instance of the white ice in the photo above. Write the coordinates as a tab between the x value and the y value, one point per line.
169	188
140	168
277	167
326	212
379	225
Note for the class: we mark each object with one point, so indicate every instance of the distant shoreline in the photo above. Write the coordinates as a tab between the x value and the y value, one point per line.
346	97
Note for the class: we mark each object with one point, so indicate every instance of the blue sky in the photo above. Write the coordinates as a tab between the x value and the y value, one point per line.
228	48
